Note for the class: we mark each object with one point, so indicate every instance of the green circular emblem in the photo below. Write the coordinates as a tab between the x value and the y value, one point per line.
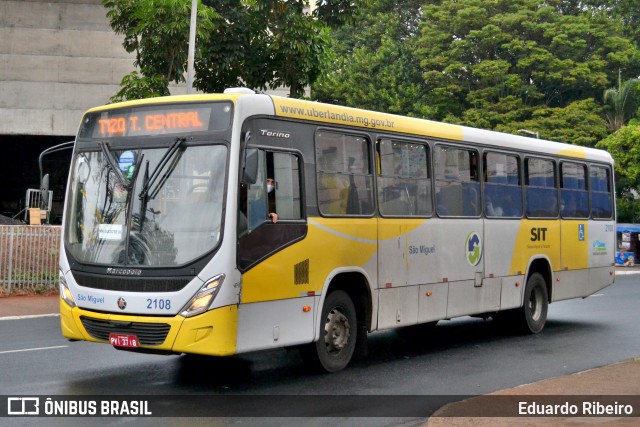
474	248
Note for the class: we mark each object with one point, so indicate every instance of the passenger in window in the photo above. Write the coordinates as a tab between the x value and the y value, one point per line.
271	186
493	209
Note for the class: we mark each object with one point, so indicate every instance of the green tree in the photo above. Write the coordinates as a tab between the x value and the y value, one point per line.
256	43
336	13
622	103
578	123
493	64
624	146
503	60
263	44
157	31
374	66
628	11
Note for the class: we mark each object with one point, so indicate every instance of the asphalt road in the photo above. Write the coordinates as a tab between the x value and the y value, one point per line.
461	357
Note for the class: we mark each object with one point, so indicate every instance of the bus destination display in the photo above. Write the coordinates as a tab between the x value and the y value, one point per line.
156	121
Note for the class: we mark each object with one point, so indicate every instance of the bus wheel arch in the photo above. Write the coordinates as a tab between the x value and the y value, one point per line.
346	309
543	267
531	316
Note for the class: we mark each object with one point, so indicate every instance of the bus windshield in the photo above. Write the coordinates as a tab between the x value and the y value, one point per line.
145	206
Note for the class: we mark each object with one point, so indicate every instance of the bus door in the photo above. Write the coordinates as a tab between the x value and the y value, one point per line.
406	245
504	263
574	248
460	232
587	246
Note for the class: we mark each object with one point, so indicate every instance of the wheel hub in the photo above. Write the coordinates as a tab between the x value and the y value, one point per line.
337	331
535	306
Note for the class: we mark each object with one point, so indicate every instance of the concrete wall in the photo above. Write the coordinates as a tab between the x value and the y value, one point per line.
57	58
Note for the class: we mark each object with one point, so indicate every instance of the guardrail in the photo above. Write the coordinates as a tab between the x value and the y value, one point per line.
29	257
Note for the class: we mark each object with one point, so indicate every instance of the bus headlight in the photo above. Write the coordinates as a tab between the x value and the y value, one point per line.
204	297
65	293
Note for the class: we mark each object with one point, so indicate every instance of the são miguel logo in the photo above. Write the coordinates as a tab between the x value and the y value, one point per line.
473	248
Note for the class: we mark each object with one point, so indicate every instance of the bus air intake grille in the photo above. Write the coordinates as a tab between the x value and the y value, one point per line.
301	273
131	284
147	333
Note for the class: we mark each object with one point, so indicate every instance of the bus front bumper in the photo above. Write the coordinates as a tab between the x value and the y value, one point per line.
210	333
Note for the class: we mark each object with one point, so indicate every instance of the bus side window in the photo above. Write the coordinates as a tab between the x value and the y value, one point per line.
600	189
257	202
344	178
404	184
574	198
457	182
253	200
286	199
502	189
541	197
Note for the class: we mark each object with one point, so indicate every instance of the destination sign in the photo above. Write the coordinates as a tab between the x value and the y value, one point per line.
146	121
150	123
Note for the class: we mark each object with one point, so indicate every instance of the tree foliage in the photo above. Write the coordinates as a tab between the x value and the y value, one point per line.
255	43
622	102
578	123
493	64
263	44
624	146
511	58
157	31
375	67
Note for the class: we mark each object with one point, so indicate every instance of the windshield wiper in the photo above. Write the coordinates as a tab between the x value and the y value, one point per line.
169	155
143	199
136	171
104	146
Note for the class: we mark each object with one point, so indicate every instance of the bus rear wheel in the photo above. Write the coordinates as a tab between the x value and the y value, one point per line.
338	332
533	313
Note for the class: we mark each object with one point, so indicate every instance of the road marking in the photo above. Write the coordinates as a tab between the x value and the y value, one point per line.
33	316
33	349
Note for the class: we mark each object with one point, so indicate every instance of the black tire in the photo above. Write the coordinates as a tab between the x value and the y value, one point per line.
338	331
533	313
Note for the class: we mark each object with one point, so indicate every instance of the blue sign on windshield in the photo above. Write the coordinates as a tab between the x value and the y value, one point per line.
126	160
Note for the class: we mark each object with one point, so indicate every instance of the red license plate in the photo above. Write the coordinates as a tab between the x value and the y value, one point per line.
123	340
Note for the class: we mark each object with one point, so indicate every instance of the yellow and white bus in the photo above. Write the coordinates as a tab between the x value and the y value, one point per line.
383	221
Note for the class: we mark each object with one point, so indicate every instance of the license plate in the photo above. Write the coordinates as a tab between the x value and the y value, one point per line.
123	340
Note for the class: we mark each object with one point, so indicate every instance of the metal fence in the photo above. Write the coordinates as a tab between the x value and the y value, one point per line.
29	258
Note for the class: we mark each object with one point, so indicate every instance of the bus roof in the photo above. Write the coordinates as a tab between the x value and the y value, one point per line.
334	114
326	113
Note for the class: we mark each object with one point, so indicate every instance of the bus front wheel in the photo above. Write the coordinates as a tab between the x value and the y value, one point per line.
338	332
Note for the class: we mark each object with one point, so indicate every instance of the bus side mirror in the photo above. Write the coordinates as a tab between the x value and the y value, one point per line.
250	169
44	192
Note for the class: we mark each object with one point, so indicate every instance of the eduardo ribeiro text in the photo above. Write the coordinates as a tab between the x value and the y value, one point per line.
566	408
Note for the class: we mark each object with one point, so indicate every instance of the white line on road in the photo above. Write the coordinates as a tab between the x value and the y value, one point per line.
33	349
33	316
